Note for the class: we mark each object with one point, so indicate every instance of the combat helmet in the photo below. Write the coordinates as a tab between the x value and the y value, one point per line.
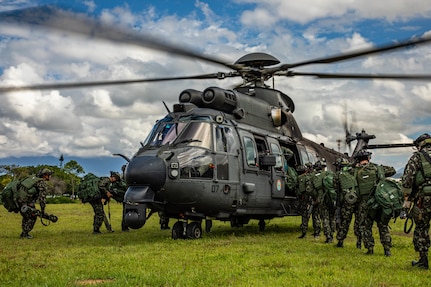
320	164
362	154
422	140
44	171
115	174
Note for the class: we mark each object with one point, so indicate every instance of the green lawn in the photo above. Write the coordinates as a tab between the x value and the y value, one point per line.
66	253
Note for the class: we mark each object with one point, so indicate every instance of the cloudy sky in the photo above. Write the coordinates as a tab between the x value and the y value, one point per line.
100	121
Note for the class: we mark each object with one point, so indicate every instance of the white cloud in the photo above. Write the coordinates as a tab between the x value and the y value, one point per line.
106	120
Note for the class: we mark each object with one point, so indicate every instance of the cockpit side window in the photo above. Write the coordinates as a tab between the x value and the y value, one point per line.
225	141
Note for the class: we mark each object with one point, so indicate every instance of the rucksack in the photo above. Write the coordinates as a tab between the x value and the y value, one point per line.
367	178
423	176
328	186
88	188
303	184
291	179
9	196
388	197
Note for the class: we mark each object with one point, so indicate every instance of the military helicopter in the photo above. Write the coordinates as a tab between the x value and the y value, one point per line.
218	154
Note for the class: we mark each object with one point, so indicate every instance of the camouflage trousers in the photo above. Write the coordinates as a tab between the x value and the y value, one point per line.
385	236
28	219
99	214
317	219
346	215
421	238
303	210
327	220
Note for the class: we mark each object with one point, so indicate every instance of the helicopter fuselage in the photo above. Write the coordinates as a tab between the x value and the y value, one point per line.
219	155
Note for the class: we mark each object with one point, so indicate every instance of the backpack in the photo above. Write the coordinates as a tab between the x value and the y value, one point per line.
328	186
423	176
9	196
330	194
347	185
88	188
388	197
367	178
291	179
303	184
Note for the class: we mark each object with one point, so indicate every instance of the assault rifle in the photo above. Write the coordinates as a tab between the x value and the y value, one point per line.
25	209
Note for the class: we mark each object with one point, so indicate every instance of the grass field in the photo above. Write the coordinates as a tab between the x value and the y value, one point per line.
66	253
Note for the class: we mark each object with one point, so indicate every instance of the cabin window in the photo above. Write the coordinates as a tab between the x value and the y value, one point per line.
304	156
278	160
250	151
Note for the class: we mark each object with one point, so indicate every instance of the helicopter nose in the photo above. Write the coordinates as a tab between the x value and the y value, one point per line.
146	170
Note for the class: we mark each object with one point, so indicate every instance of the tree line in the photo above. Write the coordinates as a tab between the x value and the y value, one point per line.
63	181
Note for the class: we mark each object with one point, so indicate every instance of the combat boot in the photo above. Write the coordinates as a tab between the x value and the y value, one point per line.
302	235
370	251
388	252
422	262
328	240
358	244
25	235
96	231
340	243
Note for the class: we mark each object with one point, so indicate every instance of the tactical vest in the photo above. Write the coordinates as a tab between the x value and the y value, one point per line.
423	177
367	177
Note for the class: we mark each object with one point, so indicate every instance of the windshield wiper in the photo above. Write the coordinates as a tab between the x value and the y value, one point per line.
187	141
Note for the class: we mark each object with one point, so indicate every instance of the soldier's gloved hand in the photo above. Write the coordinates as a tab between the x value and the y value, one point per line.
407	204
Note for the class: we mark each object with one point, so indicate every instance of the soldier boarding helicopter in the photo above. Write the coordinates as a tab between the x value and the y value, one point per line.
218	154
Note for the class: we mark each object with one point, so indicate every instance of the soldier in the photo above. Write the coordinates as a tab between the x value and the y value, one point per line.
304	196
367	176
347	202
324	200
32	189
118	190
99	214
416	182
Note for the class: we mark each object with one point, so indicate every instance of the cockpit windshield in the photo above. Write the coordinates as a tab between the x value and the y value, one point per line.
186	131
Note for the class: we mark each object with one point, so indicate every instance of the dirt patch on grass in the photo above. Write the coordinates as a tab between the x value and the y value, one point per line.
90	282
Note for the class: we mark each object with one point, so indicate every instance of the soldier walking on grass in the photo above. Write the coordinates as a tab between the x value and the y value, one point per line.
367	176
416	182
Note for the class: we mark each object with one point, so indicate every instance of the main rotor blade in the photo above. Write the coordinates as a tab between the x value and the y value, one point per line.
54	18
358	53
363	76
397	145
53	86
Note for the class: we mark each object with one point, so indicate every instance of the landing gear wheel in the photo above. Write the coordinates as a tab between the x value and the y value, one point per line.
194	230
177	230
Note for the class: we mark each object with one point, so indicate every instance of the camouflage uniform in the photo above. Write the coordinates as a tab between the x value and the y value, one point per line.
325	209
416	188
99	213
366	222
28	197
347	208
304	196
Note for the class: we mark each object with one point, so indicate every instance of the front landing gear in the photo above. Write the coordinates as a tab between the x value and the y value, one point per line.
184	230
